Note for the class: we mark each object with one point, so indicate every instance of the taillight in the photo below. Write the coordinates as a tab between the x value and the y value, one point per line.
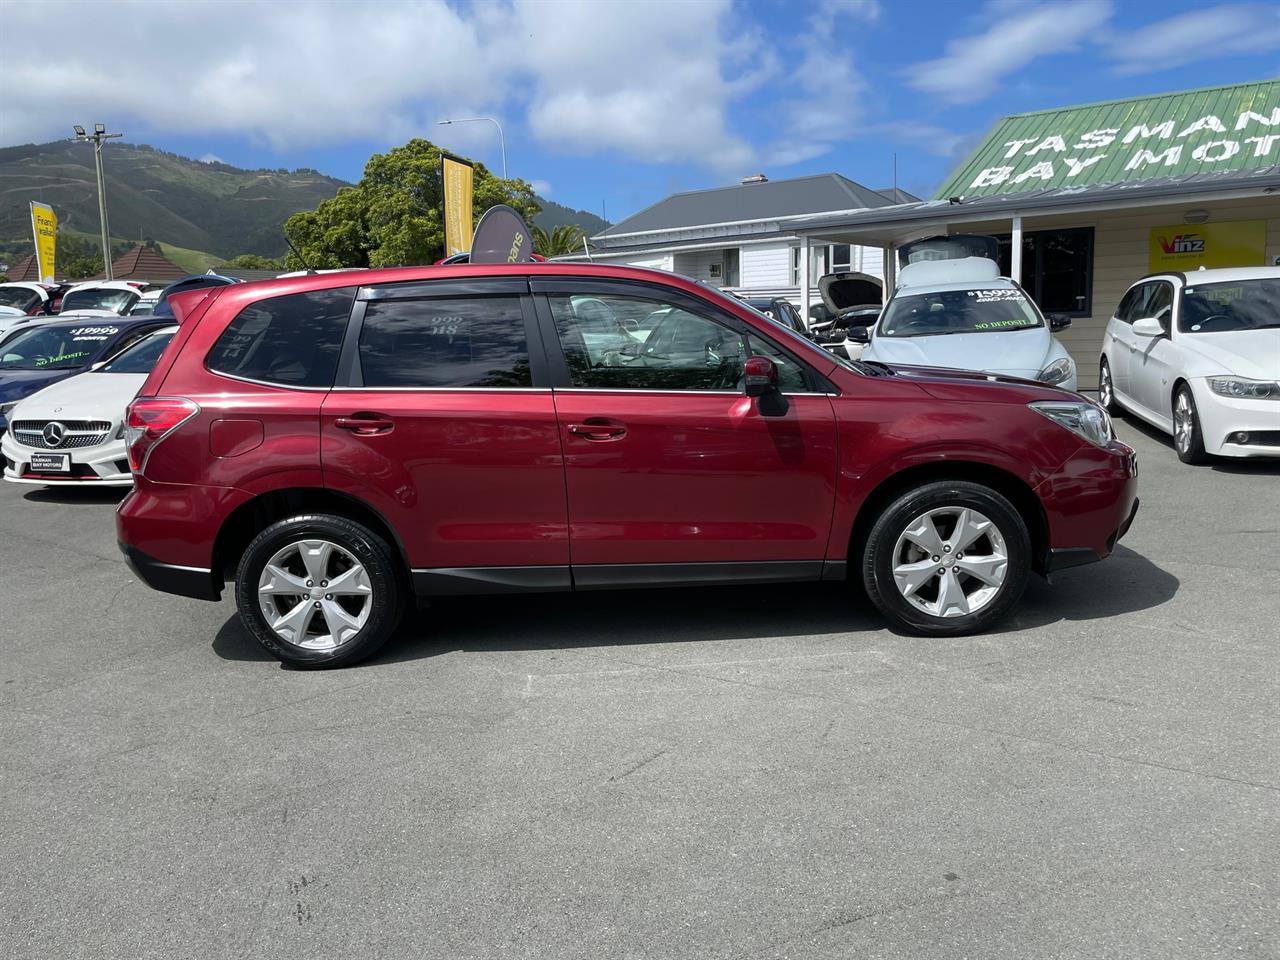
150	420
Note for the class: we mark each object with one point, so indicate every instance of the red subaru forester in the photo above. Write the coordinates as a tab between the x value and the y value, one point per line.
341	444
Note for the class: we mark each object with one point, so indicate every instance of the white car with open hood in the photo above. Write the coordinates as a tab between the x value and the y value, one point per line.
73	431
962	314
1197	355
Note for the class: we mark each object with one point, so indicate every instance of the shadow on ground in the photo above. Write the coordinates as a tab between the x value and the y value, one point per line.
72	496
1125	583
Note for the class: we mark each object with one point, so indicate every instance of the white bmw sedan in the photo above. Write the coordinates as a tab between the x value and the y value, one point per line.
1197	355
73	431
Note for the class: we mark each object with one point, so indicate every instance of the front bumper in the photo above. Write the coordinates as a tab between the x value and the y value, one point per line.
103	464
195	582
1223	418
1090	503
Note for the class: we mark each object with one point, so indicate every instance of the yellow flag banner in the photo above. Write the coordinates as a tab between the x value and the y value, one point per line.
458	178
44	226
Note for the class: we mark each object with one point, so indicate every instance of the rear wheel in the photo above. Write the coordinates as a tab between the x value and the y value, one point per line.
1187	438
318	591
947	558
1107	389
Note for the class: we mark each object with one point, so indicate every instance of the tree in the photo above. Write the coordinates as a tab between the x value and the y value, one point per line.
252	261
392	217
563	239
77	257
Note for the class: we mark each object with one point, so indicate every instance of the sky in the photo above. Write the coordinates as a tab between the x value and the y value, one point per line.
609	105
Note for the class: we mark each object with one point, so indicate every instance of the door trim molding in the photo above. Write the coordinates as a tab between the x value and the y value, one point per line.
469	581
611	576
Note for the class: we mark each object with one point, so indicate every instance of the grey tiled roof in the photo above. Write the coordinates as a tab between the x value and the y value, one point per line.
822	193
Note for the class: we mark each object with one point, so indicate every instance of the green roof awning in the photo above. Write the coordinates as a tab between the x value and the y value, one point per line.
1214	130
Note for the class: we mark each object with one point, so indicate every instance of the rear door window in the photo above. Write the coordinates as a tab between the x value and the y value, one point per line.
445	342
293	340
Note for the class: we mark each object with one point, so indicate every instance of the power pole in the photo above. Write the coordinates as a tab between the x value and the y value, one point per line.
99	134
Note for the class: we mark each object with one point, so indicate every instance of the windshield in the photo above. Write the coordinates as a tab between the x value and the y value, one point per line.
141	357
18	298
979	310
56	347
117	301
1228	307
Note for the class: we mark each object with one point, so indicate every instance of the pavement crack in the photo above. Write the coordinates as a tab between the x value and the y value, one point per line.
637	766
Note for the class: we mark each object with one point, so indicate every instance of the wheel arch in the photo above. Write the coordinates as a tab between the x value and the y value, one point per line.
1009	485
253	516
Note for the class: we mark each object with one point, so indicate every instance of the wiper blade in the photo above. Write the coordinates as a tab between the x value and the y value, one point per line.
872	368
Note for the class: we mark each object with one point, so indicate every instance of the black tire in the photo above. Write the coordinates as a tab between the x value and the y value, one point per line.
1107	389
1191	450
878	557
385	601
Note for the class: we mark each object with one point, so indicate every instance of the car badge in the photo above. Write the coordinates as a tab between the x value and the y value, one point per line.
53	434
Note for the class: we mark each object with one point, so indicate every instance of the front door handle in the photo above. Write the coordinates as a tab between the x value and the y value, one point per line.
598	428
365	424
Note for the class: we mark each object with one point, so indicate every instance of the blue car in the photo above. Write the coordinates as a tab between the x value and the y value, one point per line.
34	357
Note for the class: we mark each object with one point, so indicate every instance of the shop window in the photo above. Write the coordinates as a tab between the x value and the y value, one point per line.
1057	269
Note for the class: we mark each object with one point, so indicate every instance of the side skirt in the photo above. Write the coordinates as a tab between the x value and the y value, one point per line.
455	581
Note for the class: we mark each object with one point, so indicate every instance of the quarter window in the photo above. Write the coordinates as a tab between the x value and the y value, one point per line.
639	344
459	342
293	340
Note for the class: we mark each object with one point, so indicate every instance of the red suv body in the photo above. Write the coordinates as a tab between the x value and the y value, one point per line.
476	429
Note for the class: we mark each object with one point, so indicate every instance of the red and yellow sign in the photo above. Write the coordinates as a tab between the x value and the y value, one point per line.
44	227
457	178
1189	246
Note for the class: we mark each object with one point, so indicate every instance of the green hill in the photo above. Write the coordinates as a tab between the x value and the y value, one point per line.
207	207
200	212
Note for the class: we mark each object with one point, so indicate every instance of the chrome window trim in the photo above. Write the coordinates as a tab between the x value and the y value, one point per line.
263	383
442	389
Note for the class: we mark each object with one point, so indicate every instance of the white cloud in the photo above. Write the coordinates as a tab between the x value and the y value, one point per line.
652	81
1199	35
542	188
973	67
210	158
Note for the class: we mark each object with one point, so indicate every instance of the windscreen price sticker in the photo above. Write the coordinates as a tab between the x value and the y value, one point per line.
93	333
995	296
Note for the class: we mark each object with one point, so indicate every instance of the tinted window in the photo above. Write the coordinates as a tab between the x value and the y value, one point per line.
115	300
1128	304
1159	304
140	357
291	340
463	342
58	347
639	344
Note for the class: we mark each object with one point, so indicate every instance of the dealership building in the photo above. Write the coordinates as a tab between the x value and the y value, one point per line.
1084	200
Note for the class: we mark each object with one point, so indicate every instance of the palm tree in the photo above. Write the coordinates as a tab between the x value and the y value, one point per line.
564	239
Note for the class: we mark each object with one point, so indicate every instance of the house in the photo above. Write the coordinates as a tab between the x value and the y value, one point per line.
741	237
1086	199
144	263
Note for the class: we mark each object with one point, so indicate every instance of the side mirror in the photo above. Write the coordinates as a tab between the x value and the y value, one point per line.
859	335
1058	322
1148	327
761	377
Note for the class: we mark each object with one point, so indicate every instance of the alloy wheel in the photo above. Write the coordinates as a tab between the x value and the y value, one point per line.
1104	385
315	594
950	562
1183	421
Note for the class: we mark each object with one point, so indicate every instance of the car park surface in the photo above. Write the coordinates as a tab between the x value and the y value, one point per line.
708	772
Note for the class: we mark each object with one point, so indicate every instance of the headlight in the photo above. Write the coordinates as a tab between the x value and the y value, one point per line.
1057	371
1237	387
1086	420
7	408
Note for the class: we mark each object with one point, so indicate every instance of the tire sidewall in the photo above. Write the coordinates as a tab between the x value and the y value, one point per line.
878	557
362	543
1195	453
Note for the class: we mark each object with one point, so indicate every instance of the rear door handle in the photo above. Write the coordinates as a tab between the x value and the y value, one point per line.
365	424
598	428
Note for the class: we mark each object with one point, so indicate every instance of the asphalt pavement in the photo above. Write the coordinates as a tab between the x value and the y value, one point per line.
707	773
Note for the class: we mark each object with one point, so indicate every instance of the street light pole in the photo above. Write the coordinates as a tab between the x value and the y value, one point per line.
502	140
99	134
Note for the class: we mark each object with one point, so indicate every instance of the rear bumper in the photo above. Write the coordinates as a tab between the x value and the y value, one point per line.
195	582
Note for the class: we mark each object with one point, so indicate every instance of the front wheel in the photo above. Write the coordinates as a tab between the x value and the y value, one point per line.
318	591
1187	438
947	558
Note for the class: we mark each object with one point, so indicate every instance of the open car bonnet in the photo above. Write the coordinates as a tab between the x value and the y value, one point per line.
840	291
